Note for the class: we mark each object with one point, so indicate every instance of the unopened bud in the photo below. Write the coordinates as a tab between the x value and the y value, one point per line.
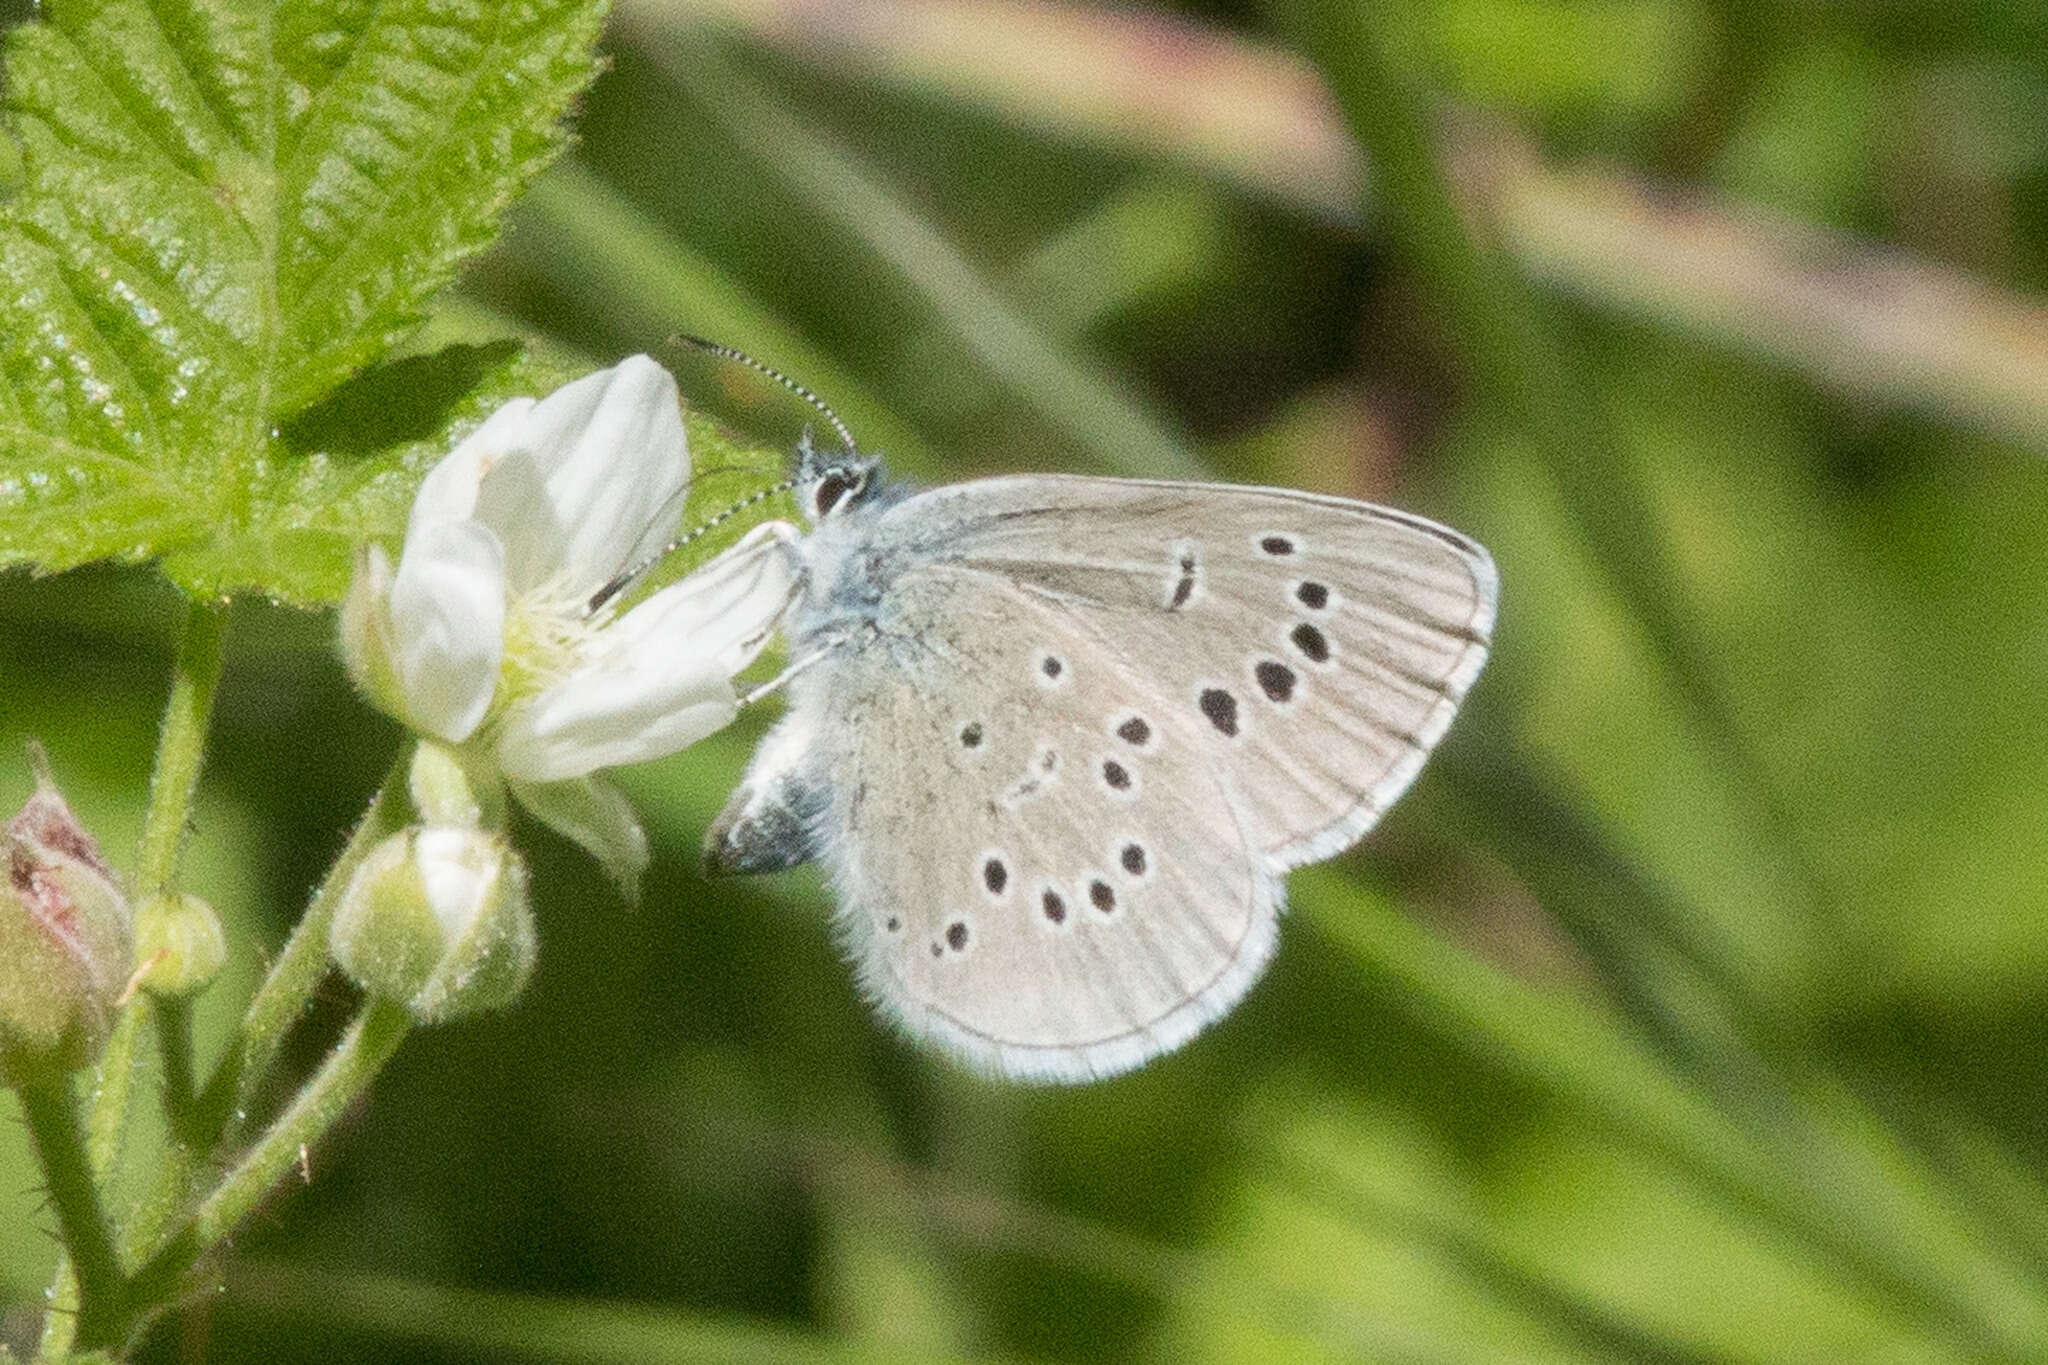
66	938
367	647
179	946
436	918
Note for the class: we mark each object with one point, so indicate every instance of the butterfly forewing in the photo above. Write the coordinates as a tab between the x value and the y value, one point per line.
1319	646
1039	867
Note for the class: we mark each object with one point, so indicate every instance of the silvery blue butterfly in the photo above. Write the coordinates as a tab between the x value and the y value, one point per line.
1057	740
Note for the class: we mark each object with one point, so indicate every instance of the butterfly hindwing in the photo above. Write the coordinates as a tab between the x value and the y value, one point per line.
1037	867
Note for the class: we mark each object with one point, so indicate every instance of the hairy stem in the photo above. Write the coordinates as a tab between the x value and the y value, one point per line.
46	1103
350	1067
180	748
296	974
180	753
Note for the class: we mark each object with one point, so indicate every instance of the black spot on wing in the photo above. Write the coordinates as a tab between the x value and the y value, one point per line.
1276	680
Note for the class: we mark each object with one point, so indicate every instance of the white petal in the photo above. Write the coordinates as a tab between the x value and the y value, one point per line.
658	679
514	504
611	461
725	609
448	493
595	816
448	626
604	720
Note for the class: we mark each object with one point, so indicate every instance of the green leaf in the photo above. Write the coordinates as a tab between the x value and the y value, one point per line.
225	209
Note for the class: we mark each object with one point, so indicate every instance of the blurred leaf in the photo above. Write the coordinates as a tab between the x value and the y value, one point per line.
223	213
1599	57
530	1327
1809	142
1103	419
594	241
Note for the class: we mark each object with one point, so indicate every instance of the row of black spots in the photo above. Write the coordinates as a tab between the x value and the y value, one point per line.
957	935
1277	545
1050	670
1055	908
1101	895
1274	678
1311	594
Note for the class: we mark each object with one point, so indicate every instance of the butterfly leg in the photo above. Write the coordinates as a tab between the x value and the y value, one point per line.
781	680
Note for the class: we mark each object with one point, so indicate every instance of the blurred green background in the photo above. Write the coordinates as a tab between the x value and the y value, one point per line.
1694	1007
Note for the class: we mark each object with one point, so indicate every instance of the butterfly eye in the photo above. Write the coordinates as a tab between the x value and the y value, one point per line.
831	489
836	487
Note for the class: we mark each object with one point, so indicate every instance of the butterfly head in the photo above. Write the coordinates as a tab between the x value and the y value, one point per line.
832	483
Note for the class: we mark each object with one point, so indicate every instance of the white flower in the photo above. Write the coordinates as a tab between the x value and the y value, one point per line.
484	636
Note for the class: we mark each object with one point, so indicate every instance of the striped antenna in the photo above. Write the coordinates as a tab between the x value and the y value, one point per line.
625	578
730	353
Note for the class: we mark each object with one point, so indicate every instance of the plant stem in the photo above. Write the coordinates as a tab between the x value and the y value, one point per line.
180	748
348	1071
180	753
174	1036
296	974
46	1103
350	1067
105	1119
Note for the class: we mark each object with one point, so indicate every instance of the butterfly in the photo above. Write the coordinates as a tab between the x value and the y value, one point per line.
1057	740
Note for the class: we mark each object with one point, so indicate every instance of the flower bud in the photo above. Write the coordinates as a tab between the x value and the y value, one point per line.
66	937
436	918
179	946
367	646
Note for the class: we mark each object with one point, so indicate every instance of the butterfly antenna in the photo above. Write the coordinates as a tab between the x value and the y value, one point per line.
625	578
730	353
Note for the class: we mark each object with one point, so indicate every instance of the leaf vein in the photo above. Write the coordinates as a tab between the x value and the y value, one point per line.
224	116
153	130
61	263
423	154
